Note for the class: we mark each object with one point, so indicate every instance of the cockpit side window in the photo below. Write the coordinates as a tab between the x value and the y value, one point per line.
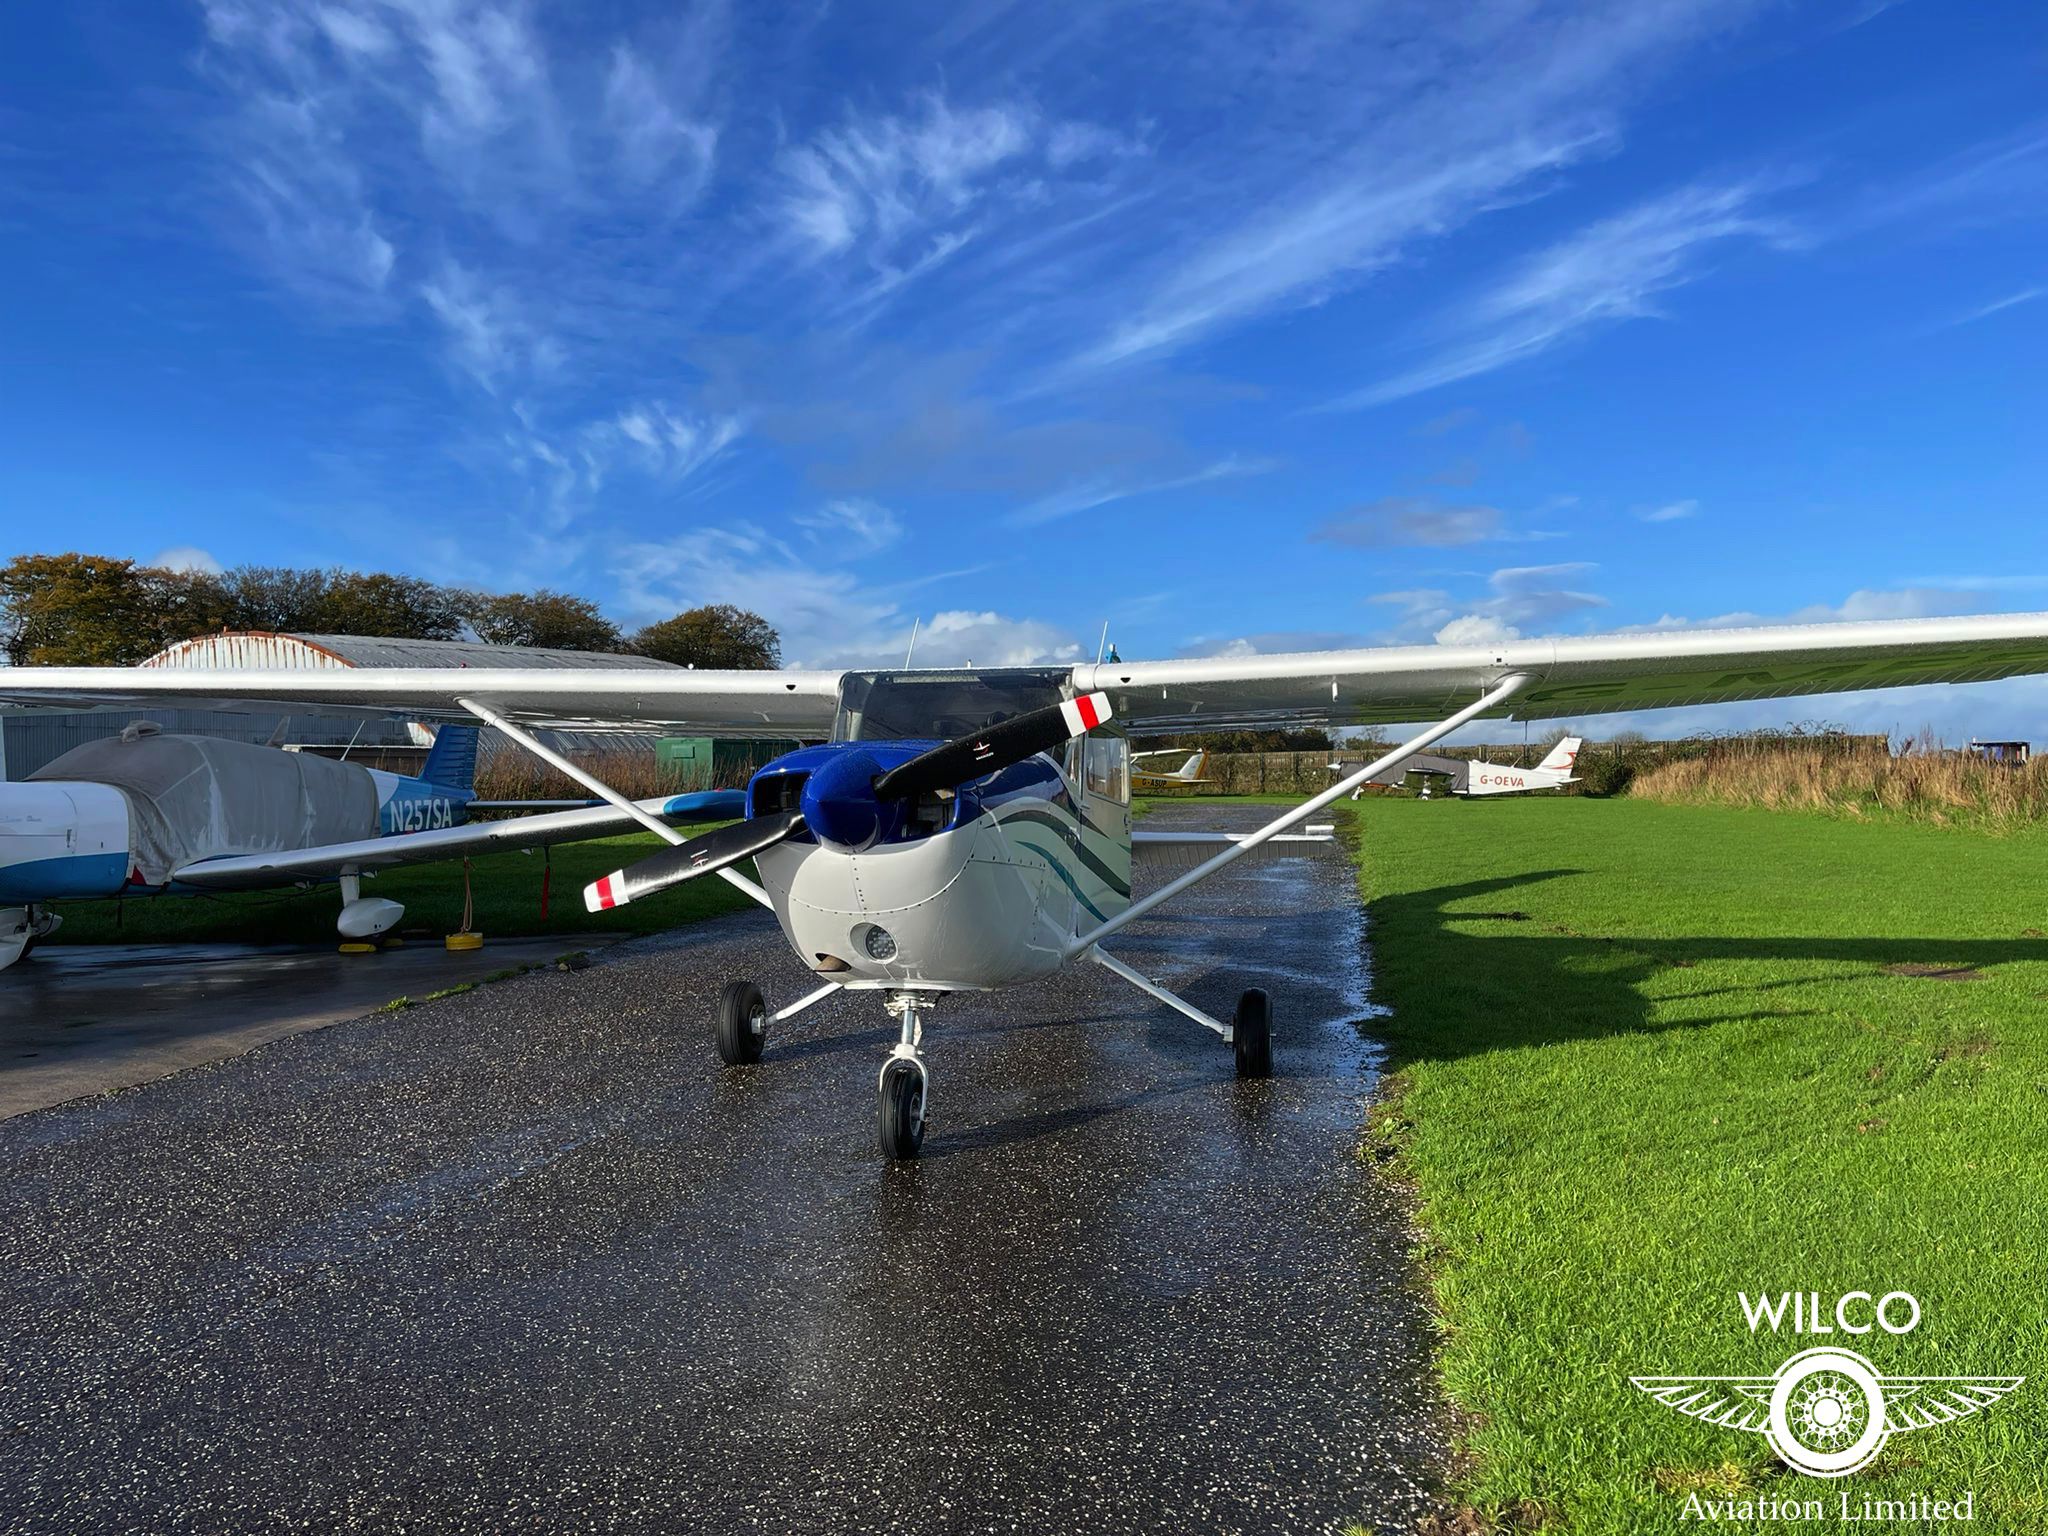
1109	768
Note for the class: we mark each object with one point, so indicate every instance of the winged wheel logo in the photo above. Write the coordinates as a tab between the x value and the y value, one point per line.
1827	1411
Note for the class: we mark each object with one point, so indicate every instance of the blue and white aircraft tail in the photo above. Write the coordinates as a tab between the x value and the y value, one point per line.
451	762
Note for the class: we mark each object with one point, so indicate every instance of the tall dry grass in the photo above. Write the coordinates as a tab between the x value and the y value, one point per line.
1925	782
520	776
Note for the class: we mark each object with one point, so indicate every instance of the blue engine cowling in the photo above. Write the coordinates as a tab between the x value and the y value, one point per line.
833	785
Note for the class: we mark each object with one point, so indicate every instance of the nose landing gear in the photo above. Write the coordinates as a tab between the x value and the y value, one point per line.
904	1081
740	1031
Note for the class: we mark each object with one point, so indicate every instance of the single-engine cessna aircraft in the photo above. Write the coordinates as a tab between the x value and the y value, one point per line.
966	829
1190	772
151	814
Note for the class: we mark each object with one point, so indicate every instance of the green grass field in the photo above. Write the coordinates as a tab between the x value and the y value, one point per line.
507	889
1647	1056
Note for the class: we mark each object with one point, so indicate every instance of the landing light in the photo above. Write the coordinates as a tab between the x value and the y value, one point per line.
879	943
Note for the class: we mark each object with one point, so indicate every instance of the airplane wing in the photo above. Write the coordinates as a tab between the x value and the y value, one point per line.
1595	674
616	698
255	871
1571	677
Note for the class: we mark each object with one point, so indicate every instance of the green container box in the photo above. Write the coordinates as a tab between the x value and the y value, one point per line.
714	762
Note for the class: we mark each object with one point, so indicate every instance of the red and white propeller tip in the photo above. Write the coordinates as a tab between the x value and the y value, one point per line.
603	895
1085	713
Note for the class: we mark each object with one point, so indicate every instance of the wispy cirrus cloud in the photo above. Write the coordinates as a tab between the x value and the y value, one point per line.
490	336
1458	122
853	525
1998	306
1668	512
1611	271
1300	253
877	179
1100	492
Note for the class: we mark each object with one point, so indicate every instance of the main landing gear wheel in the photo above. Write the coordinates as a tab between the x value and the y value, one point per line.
902	1109
1251	1033
742	1025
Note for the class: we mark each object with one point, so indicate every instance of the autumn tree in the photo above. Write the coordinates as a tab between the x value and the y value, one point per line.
276	599
93	611
282	600
716	637
551	620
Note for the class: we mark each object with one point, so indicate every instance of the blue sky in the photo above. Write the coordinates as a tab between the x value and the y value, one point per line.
1257	326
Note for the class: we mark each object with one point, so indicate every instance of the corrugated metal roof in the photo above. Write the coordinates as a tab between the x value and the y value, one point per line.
289	651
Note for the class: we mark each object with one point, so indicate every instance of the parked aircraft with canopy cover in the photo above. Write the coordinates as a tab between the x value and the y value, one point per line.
152	813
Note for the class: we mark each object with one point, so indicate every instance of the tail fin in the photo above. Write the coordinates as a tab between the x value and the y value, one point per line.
1563	755
451	761
1192	768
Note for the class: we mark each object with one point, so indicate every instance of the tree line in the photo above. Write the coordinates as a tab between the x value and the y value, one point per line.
75	610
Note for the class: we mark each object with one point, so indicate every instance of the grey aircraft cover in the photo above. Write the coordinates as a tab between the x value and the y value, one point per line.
195	797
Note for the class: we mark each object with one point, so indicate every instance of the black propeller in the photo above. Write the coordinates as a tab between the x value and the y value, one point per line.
945	767
701	855
972	757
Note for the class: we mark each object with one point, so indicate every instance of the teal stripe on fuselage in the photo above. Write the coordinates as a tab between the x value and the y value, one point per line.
70	877
1066	876
1036	815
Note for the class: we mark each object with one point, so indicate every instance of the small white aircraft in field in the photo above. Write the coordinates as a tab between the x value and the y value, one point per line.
963	829
1483	778
1462	776
1189	772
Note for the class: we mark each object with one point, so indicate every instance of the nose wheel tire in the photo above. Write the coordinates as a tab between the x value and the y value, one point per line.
741	1027
1252	1035
902	1110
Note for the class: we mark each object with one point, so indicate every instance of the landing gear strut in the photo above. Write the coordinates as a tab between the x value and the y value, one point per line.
901	1091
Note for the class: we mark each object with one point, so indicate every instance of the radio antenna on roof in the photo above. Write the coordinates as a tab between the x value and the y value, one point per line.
911	649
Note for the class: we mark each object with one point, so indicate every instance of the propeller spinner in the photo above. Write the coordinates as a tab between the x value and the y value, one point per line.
943	767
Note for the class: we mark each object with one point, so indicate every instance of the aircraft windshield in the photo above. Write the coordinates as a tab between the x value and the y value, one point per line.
898	706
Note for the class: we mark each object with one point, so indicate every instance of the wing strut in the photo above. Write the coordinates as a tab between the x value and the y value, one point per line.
1502	691
602	790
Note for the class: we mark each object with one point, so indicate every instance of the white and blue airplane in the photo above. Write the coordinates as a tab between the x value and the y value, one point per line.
968	829
147	813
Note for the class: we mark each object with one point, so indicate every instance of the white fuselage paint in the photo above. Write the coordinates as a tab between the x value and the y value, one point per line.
76	834
990	903
1494	779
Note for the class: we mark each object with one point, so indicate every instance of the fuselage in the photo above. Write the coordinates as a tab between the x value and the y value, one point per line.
978	889
65	839
1496	779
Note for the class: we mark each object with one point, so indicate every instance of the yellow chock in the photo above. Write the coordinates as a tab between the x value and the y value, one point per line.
464	941
354	947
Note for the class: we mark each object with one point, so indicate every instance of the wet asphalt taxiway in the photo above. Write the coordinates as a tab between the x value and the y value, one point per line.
529	1259
81	1019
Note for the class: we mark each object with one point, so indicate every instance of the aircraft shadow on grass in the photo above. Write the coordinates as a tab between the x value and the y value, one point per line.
1575	986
